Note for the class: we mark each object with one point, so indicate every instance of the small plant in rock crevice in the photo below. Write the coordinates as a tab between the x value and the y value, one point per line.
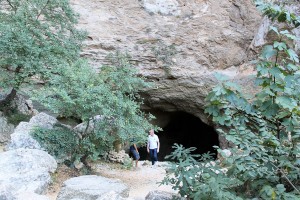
165	54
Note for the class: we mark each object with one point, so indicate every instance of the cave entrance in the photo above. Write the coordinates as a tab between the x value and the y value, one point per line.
188	130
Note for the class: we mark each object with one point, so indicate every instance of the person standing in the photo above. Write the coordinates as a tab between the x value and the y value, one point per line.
135	153
153	146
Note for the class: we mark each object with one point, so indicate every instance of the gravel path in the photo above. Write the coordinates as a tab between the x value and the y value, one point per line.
140	181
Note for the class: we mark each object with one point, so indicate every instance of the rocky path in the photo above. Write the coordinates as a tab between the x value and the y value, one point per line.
140	181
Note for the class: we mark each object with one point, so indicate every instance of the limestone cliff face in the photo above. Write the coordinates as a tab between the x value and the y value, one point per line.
178	44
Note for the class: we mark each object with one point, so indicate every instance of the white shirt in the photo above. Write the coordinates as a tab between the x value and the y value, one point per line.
153	141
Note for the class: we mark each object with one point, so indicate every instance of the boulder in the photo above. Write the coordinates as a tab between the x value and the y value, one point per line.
5	129
31	196
25	171
118	157
23	105
112	195
162	195
91	187
21	137
80	129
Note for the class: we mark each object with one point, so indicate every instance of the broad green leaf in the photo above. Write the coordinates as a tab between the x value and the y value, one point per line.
268	52
282	114
293	67
293	56
280	45
274	29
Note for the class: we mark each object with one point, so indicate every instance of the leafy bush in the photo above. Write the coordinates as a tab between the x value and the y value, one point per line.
198	177
59	142
37	38
106	101
16	117
263	129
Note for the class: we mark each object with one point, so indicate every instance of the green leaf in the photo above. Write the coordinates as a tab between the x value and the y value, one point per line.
280	45
293	56
288	35
286	102
282	114
280	188
274	29
293	67
268	52
275	71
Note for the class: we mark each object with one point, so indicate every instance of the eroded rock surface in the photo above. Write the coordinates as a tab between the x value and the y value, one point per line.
176	44
5	129
91	187
21	137
25	172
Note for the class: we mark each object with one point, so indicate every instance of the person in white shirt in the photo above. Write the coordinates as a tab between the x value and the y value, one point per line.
153	146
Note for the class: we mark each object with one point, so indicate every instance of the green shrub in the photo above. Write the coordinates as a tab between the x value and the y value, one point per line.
107	102
59	142
263	129
198	177
15	118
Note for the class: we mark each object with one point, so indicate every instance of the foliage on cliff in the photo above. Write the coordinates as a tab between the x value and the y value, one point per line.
41	44
38	38
263	161
105	101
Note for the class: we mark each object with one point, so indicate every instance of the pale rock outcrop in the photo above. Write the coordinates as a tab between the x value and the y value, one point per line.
91	187
25	172
162	195
5	129
21	137
24	105
118	157
112	195
164	7
178	45
82	128
31	196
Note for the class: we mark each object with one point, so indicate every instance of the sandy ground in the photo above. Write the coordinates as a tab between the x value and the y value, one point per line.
140	181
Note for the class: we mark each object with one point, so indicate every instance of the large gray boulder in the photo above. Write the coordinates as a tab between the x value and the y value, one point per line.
91	187
112	195
21	137
24	172
162	195
5	129
30	196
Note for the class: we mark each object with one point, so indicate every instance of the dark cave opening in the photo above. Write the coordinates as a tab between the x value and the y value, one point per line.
188	130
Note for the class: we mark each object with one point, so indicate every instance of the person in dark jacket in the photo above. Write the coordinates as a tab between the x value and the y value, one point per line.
135	153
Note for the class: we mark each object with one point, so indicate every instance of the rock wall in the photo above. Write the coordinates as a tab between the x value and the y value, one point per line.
178	44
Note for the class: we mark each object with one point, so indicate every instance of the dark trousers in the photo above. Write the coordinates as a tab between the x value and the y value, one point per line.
153	155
